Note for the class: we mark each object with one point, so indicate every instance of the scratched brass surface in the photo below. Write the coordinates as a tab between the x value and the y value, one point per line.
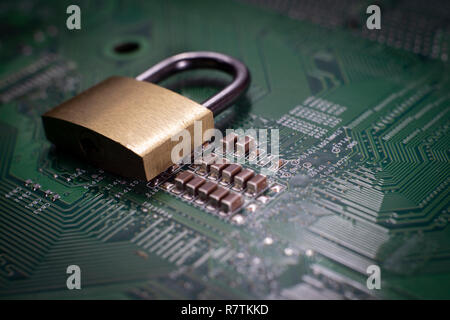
129	125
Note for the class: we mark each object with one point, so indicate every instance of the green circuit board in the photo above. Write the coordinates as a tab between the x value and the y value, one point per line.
363	119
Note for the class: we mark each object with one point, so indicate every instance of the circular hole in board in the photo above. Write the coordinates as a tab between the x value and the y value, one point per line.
127	47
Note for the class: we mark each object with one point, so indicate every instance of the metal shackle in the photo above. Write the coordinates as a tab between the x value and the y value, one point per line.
204	60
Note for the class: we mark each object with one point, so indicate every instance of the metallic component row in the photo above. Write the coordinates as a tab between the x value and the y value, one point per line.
238	144
208	192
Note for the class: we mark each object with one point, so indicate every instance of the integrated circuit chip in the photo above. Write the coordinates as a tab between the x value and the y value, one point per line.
240	180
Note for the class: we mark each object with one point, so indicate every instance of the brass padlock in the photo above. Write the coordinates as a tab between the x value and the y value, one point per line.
125	125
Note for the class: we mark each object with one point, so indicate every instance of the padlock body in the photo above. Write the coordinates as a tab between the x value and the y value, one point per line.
126	126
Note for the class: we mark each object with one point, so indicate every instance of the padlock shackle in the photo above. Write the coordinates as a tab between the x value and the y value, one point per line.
208	60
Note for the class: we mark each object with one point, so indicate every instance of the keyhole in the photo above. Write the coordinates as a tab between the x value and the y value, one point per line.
89	147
